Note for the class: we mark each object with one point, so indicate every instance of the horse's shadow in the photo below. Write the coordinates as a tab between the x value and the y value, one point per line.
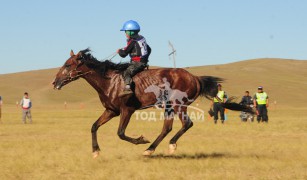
191	156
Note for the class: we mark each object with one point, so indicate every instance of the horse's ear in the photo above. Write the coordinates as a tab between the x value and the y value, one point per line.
72	53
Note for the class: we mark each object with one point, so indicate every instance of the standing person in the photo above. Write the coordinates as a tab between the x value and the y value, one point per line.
139	52
247	100
217	107
26	105
0	107
261	102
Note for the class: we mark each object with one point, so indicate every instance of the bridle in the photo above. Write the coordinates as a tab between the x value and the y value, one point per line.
78	73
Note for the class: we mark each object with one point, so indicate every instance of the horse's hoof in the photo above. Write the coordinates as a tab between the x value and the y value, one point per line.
172	148
148	152
95	154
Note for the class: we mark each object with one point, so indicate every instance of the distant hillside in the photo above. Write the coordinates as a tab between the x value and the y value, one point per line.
283	79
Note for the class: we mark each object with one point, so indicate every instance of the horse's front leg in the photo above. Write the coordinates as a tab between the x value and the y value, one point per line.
124	121
105	117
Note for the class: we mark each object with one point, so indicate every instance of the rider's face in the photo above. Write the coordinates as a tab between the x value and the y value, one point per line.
127	36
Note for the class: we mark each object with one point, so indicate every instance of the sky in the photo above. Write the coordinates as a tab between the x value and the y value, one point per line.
39	34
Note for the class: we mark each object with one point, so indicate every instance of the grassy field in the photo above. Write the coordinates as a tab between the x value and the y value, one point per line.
58	146
58	143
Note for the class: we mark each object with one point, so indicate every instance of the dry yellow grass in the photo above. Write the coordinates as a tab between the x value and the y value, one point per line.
58	144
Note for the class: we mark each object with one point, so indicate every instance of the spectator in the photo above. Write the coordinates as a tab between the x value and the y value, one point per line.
261	102
247	100
26	105
217	107
0	107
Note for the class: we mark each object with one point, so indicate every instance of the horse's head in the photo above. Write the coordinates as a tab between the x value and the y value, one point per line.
72	70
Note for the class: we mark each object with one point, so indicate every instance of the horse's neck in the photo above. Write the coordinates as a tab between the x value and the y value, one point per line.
101	84
97	81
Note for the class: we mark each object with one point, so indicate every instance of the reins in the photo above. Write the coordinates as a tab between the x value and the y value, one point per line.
110	57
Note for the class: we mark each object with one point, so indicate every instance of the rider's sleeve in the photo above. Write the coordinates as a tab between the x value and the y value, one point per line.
127	50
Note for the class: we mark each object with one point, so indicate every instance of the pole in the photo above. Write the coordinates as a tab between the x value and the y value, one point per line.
172	53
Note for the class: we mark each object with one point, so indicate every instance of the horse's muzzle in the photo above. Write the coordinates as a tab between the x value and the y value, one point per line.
57	84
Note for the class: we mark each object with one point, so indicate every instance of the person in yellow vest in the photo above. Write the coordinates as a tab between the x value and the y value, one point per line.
217	107
261	102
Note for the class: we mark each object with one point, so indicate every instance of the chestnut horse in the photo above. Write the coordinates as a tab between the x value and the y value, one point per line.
106	78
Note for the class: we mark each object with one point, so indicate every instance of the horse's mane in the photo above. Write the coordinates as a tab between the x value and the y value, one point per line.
101	66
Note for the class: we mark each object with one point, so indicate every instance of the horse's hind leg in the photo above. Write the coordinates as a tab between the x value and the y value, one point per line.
186	124
124	121
167	127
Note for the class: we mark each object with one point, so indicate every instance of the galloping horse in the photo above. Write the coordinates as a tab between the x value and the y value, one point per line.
106	78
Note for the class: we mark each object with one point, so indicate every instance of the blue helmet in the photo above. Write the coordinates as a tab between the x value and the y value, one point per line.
131	26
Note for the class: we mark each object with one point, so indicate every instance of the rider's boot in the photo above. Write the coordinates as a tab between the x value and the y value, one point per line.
127	91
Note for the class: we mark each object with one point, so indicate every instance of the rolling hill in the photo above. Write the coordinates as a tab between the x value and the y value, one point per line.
282	79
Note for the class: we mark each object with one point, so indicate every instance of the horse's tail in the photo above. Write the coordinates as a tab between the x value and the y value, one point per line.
229	104
208	86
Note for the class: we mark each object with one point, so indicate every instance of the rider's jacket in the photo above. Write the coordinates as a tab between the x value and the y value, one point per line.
137	48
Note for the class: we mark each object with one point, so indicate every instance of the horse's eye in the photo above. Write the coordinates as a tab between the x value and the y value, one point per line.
67	65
